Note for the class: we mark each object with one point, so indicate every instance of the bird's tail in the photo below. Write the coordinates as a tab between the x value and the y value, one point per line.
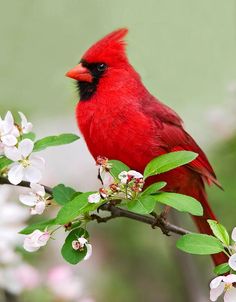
202	224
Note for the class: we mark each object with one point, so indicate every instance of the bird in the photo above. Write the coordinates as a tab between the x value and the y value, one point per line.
120	119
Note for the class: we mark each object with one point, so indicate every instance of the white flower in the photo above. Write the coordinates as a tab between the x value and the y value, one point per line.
135	174
27	166
106	177
125	176
233	235
8	132
80	243
35	198
35	240
26	127
232	259
232	262
223	284
94	198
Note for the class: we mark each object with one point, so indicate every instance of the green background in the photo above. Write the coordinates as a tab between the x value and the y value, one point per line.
185	51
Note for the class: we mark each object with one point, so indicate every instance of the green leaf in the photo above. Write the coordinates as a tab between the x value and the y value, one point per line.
154	188
199	244
38	226
57	140
63	194
180	202
222	269
69	254
168	161
117	168
78	206
219	231
143	204
30	135
4	162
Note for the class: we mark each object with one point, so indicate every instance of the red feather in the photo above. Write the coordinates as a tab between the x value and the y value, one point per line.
123	121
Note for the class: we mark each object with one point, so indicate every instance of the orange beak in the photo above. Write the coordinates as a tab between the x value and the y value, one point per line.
80	73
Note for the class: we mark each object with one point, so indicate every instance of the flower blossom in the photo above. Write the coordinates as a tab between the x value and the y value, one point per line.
79	245
35	198
94	198
26	166
8	132
64	283
104	171
35	240
223	284
26	126
232	259
125	176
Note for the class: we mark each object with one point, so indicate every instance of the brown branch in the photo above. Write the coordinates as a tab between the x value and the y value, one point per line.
157	221
25	184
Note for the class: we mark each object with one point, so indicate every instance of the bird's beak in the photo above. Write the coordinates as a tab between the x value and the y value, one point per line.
80	73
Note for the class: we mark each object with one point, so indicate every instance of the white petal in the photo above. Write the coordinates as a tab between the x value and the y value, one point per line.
234	234
32	174
232	262
9	140
43	239
9	118
89	251
216	292
37	161
82	241
26	147
37	189
230	295
13	153
39	208
15	174
107	179
14	131
123	176
28	200
26	126
230	278
216	282
94	198
135	174
29	246
8	122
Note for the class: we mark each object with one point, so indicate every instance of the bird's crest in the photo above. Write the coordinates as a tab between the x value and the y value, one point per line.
109	48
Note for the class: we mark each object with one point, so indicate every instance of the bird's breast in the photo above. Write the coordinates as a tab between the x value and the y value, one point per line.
119	132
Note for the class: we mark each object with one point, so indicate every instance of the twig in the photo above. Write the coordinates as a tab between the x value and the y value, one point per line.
26	184
157	221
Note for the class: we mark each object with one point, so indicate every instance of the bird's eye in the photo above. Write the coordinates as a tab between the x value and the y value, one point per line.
101	67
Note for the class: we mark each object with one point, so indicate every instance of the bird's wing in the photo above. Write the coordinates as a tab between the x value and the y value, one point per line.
173	137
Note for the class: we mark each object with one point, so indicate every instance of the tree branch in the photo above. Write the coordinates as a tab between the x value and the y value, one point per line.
157	221
25	184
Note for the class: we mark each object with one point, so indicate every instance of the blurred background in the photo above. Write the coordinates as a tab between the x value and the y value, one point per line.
185	51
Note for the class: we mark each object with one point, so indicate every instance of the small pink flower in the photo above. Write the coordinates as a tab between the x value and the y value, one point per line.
79	245
8	133
35	198
94	198
35	240
64	283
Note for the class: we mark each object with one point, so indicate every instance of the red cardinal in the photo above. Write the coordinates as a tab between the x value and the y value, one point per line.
120	119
